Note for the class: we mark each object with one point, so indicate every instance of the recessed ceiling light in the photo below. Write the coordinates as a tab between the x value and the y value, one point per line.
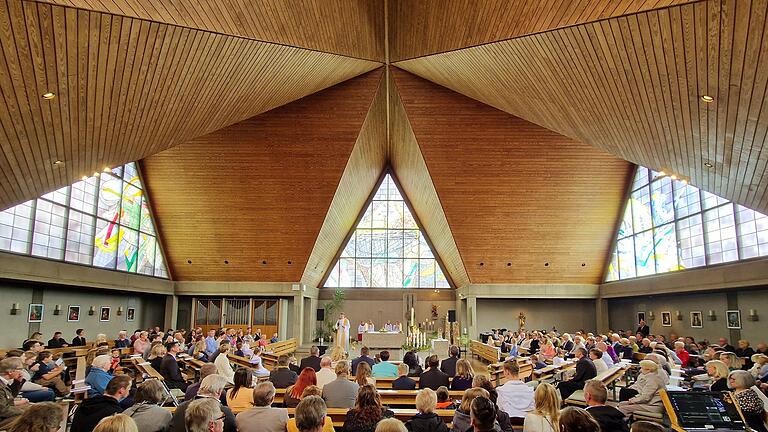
707	99
482	263
49	96
226	262
546	264
189	261
264	262
708	164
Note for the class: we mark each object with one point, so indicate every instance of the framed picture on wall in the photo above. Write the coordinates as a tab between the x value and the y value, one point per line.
73	313
733	318
696	321
35	313
104	313
666	319
640	316
130	314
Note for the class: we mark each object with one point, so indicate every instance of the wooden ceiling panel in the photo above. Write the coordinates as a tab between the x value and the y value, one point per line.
425	27
417	184
366	163
257	190
632	86
514	192
127	88
347	27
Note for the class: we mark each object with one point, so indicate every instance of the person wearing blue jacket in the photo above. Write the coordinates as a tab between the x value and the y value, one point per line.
99	375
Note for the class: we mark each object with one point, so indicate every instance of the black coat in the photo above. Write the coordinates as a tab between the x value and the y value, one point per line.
433	378
610	418
78	341
283	377
644	330
169	369
92	410
585	370
426	423
357	361
57	343
310	362
448	366
404	383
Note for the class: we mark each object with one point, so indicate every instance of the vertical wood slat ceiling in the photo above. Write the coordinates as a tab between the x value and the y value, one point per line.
632	85
364	167
127	88
348	27
417	183
257	190
512	191
427	27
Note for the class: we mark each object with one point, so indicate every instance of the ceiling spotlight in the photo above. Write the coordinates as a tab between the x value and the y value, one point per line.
85	178
49	96
673	177
684	181
662	173
107	169
707	99
708	164
95	174
58	162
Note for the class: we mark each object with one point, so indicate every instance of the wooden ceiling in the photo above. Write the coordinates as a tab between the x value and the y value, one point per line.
424	27
257	191
347	27
632	85
514	192
127	88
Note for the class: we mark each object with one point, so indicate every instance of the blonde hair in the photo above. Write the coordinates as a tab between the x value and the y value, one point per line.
402	369
391	425
426	400
721	370
311	390
469	395
157	351
547	402
117	423
464	369
650	365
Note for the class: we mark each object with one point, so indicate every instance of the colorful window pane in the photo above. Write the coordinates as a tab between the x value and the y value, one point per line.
670	225
103	221
387	248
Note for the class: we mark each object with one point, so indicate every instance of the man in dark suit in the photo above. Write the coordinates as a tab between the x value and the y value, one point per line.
585	370
363	358
403	382
643	329
610	419
169	368
448	366
433	377
313	361
282	376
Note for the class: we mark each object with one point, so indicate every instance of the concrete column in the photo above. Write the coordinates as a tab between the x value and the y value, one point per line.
471	324
171	311
602	322
282	325
298	318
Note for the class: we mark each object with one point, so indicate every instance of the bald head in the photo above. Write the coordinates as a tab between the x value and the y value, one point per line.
325	362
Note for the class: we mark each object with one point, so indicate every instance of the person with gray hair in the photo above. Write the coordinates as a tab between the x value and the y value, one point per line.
10	384
263	417
99	376
310	414
341	392
741	382
148	415
204	415
211	387
326	373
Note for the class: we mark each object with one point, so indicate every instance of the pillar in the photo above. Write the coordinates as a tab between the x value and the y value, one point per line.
471	323
298	318
601	310
171	311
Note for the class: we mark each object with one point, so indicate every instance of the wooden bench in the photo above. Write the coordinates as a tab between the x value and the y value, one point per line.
272	351
403	414
388	397
549	372
485	352
496	370
607	377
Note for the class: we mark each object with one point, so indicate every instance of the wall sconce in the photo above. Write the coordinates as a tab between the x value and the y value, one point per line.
119	310
753	315
651	316
57	310
712	316
679	315
91	311
15	309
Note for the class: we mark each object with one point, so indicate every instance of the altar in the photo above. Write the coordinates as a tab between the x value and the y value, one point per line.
383	340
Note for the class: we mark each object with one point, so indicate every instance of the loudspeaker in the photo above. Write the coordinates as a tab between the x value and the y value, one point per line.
451	315
321	314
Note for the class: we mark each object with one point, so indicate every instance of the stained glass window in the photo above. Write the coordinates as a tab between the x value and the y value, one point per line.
669	225
102	221
387	249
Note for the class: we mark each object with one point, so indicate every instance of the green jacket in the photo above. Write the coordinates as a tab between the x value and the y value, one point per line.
7	395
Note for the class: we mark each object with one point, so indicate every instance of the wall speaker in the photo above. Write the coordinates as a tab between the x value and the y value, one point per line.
321	314
451	315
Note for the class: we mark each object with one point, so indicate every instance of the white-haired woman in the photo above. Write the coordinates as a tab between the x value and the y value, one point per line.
648	386
759	369
750	403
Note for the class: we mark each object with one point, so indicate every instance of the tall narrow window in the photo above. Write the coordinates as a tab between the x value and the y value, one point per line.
387	248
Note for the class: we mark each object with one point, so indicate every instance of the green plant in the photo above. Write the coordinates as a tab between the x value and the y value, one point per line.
325	330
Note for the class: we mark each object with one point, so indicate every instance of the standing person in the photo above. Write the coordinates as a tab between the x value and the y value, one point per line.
342	333
10	384
515	396
361	328
341	392
448	366
92	410
643	329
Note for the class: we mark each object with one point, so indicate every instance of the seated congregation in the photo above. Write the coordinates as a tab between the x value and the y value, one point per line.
225	381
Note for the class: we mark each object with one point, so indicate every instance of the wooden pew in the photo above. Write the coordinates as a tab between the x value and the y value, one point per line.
496	370
485	352
388	397
403	414
608	377
272	351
